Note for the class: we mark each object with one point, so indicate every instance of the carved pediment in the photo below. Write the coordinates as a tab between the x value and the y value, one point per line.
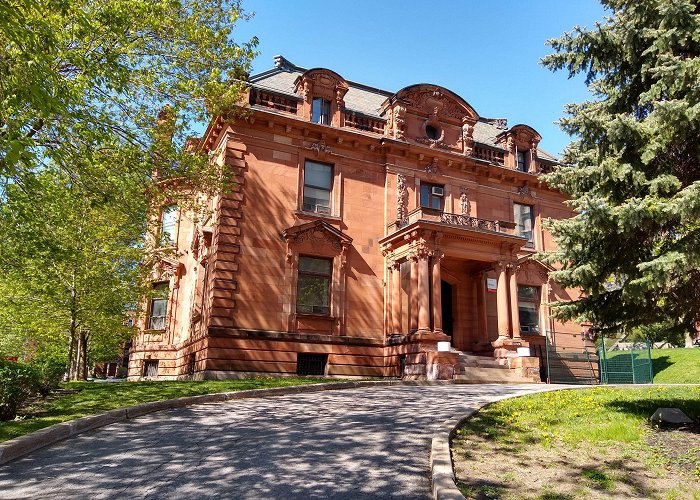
533	271
321	82
319	232
434	100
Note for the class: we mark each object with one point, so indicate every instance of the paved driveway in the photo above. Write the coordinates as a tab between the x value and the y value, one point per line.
354	444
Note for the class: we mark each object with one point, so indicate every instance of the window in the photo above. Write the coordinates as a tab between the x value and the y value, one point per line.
321	111
432	132
529	308
159	307
168	221
318	183
431	196
150	368
311	364
524	222
523	165
314	285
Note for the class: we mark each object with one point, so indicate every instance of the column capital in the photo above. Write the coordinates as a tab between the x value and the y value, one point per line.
419	250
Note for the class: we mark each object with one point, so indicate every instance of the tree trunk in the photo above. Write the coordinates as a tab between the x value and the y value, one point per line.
83	354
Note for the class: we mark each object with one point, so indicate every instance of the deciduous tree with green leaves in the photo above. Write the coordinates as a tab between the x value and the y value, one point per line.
634	176
95	97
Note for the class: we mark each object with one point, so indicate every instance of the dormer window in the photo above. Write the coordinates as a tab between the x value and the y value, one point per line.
321	111
523	164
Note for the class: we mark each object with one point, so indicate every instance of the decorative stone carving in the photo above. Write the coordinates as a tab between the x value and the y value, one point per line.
432	168
389	125
401	197
317	236
464	207
419	250
467	138
524	190
320	147
399	122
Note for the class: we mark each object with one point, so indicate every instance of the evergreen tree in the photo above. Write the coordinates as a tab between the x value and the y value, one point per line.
634	168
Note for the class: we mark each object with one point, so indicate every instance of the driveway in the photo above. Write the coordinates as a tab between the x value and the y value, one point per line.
353	444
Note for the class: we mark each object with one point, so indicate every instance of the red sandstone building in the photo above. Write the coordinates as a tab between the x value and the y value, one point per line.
365	228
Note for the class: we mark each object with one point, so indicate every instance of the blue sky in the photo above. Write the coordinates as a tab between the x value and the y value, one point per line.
488	52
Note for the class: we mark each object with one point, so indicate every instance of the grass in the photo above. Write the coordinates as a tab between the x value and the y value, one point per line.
92	398
602	415
676	366
600	422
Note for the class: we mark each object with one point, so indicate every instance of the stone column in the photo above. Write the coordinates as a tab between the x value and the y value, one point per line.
423	291
514	313
413	323
395	297
502	302
437	293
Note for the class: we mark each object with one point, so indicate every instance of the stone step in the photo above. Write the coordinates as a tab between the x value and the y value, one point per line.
495	375
479	361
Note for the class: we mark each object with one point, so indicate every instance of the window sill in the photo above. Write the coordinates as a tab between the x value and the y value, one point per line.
315	316
531	334
315	215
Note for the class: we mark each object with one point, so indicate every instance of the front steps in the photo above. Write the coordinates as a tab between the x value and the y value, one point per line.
485	369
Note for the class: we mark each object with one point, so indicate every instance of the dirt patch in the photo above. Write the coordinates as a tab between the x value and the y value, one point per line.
665	466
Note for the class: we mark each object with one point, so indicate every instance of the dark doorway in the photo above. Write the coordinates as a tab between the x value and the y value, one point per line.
447	315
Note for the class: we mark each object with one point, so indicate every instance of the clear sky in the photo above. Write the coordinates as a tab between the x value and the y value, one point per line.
486	51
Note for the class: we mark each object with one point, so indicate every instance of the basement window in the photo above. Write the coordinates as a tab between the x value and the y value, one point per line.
311	364
150	368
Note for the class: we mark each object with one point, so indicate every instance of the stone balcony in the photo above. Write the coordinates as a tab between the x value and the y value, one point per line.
430	215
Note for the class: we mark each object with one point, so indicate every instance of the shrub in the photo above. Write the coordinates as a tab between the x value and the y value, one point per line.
18	382
50	370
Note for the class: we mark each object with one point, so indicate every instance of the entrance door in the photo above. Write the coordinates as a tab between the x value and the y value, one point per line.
447	313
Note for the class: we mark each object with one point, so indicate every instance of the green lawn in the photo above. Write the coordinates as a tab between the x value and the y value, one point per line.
676	366
586	436
93	398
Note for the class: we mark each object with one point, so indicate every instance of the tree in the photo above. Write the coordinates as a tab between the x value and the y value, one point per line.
633	247
70	264
97	98
77	74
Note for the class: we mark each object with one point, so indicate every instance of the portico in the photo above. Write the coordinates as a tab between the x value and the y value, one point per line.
430	251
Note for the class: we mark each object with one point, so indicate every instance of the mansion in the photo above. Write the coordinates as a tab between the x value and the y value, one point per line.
369	233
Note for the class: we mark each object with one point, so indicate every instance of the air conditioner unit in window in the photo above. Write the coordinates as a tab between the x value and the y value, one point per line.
438	191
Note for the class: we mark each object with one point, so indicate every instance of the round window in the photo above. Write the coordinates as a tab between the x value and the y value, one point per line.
432	132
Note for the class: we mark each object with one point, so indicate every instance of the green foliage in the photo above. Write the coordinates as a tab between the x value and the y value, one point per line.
50	370
18	382
96	101
75	72
69	262
634	174
90	398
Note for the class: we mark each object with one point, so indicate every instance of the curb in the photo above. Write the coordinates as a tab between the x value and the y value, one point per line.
23	445
442	475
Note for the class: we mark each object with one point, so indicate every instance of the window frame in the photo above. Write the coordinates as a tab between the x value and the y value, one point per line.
317	116
171	241
328	277
306	184
531	241
152	303
525	165
431	196
535	302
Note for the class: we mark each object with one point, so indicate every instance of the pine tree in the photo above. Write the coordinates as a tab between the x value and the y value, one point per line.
634	168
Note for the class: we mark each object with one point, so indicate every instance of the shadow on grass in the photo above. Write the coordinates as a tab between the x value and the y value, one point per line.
660	364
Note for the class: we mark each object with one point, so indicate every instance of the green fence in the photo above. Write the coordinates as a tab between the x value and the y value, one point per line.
631	365
569	365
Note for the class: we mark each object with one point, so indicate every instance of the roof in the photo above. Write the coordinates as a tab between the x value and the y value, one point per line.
368	101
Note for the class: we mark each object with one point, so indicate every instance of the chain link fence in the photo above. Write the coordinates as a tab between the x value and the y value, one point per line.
630	364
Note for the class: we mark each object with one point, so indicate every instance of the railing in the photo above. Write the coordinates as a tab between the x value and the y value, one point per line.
459	220
361	122
272	100
491	155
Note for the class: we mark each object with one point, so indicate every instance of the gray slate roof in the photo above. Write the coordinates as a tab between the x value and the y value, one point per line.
366	100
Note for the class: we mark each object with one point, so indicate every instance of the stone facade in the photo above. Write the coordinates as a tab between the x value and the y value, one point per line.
425	223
